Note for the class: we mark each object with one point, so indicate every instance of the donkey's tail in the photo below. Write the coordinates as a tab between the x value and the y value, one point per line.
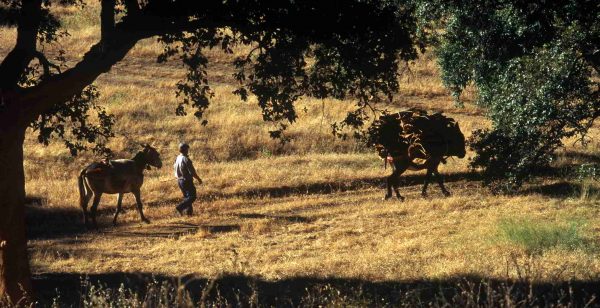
82	187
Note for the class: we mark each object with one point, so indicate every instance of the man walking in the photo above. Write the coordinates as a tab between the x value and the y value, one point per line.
185	174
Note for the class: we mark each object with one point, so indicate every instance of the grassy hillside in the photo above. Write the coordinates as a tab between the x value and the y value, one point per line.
310	211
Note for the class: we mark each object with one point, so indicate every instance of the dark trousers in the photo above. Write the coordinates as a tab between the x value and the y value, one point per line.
189	195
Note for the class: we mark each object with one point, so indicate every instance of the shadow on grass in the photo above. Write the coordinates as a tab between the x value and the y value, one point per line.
35	200
171	230
287	218
560	190
567	169
52	223
341	186
57	222
581	157
239	290
46	223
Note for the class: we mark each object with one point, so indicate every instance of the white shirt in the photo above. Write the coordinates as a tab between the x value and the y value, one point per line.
184	169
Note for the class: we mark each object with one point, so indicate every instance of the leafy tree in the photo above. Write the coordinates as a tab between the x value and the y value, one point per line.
535	65
313	47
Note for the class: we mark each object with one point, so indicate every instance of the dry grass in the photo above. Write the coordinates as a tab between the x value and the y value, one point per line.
310	208
345	235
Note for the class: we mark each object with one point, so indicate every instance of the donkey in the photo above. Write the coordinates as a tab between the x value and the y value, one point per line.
401	162
117	176
402	142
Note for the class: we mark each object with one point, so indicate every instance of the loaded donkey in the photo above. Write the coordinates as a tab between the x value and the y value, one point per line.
414	140
117	176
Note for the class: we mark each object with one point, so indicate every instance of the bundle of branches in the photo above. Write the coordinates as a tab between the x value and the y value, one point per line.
418	134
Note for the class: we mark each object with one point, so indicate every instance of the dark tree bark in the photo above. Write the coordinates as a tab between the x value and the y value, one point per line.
15	282
19	107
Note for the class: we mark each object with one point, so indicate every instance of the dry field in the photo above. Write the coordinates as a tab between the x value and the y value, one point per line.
294	215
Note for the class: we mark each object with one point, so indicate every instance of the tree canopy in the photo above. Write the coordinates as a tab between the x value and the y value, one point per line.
535	66
354	49
319	48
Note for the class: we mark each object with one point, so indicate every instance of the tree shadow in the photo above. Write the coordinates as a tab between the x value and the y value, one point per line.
319	188
55	222
35	200
172	230
561	190
240	290
569	167
581	157
221	228
287	218
49	223
335	187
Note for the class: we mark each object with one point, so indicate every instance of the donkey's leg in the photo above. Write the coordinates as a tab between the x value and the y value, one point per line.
94	208
390	180
85	199
138	202
440	181
396	190
427	179
399	168
119	210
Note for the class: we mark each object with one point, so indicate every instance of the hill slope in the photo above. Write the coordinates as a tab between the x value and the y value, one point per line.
311	208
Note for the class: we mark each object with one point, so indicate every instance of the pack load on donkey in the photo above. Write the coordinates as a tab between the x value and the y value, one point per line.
417	134
415	140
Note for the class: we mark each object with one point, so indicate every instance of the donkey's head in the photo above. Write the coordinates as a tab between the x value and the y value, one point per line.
458	142
152	156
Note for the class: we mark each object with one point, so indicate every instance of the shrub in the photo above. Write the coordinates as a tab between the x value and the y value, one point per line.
529	63
538	236
588	176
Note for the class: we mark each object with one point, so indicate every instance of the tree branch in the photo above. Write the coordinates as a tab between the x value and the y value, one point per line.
133	7
111	49
46	64
107	21
18	58
99	59
60	88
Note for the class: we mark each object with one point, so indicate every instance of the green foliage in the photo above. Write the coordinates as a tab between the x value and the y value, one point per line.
300	48
536	237
588	176
314	48
535	102
71	123
588	172
532	64
78	122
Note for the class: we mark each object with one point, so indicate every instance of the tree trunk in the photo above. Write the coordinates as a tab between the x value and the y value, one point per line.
15	275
